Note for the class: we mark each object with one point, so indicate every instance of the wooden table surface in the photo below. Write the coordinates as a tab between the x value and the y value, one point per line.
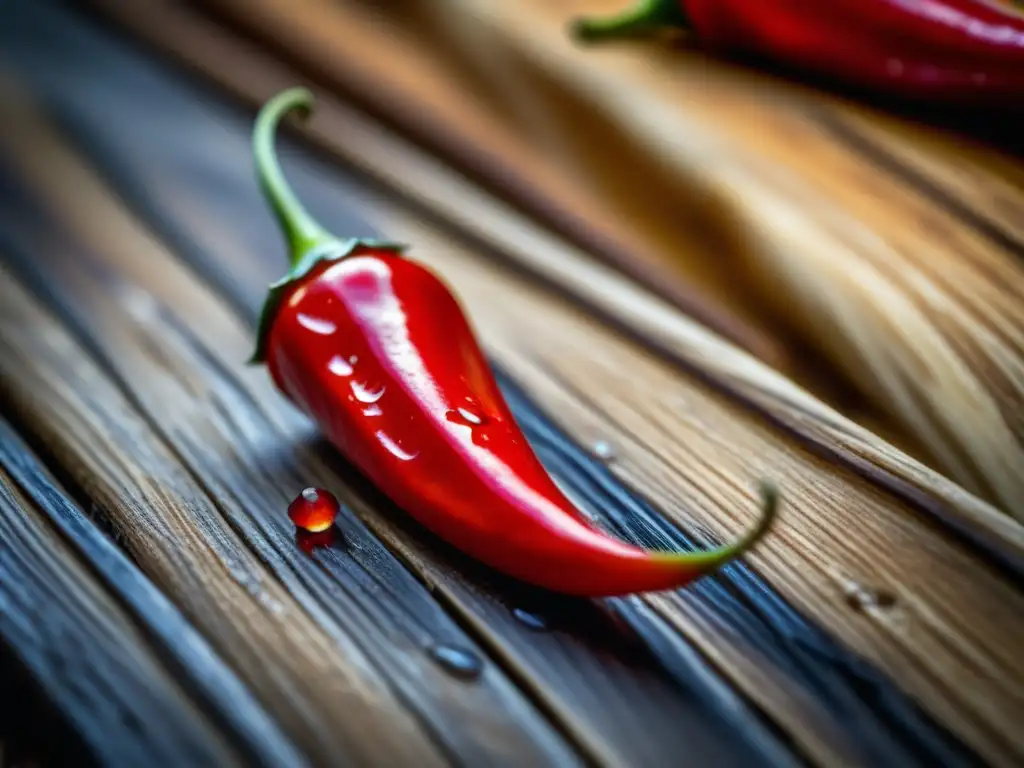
718	274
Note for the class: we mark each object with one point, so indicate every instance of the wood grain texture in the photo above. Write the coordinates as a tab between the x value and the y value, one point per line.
507	234
236	613
650	413
215	692
805	198
91	660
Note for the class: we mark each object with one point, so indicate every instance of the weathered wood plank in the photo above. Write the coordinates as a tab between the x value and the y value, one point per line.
501	327
88	656
344	716
617	703
188	657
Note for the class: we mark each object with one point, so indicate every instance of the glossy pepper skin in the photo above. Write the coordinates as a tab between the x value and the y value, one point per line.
376	349
932	50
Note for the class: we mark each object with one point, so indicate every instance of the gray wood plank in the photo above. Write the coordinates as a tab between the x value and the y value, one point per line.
87	655
188	657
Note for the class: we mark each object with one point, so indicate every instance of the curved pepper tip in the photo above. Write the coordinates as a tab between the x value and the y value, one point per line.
694	564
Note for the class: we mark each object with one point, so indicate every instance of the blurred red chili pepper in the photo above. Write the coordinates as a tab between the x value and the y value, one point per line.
376	350
970	50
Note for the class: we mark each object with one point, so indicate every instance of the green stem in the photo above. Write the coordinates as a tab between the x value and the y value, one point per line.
301	230
645	16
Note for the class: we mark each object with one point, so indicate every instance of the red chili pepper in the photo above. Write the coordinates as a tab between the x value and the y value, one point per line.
376	350
970	50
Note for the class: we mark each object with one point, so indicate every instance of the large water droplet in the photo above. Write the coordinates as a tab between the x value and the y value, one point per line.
314	509
459	662
317	325
527	619
367	393
339	366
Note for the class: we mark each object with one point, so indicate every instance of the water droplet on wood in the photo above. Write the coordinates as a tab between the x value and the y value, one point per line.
527	619
863	598
459	662
603	450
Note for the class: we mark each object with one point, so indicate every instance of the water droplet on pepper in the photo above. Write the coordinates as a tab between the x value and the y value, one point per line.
339	366
466	417
317	325
395	448
367	393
